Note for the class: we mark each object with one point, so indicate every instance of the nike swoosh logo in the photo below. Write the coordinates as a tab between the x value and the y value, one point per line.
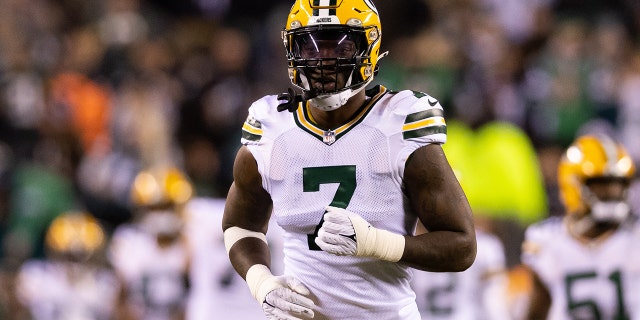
433	103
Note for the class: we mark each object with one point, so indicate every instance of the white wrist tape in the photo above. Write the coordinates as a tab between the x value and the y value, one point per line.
233	234
377	243
258	275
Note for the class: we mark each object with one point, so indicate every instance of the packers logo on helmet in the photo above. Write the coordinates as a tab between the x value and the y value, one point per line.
587	158
325	38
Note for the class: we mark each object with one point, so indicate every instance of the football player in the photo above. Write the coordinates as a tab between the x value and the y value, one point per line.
346	173
150	254
73	282
586	264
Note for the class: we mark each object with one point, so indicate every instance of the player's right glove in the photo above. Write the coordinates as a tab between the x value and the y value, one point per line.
281	297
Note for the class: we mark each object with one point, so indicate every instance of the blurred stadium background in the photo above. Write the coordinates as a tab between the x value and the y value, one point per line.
94	92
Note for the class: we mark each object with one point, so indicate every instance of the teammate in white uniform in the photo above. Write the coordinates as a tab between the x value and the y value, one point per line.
346	174
72	283
477	293
150	254
586	265
217	291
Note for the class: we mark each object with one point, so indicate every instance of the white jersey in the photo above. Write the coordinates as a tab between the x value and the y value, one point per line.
477	293
586	280
53	290
217	291
153	276
358	166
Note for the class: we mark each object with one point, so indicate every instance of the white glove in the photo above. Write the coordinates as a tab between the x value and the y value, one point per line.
281	297
345	233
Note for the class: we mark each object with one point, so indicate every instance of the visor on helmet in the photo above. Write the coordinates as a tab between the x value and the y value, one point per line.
328	44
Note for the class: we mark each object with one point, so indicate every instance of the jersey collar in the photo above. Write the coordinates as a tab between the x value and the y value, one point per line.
304	120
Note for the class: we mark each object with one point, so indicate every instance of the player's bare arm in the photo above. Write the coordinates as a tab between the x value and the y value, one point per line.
441	205
540	299
248	207
245	221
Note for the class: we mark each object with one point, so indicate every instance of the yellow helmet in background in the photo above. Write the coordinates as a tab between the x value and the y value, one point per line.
75	233
161	187
590	157
312	20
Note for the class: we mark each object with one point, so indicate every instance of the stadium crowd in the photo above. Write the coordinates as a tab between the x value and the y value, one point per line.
93	93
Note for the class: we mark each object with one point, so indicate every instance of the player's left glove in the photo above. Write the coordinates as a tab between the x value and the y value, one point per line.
345	233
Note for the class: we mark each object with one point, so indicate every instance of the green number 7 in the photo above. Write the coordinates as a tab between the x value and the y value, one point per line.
345	176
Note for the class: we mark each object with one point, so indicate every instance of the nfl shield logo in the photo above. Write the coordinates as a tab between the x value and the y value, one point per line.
329	137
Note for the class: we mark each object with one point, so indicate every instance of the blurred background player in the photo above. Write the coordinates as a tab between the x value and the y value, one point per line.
150	254
476	293
586	264
74	281
217	291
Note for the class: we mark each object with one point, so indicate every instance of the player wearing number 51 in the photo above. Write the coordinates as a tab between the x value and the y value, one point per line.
346	171
586	265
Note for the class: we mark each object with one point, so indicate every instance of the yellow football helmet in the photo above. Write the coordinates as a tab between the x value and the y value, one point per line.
328	37
587	158
75	233
161	188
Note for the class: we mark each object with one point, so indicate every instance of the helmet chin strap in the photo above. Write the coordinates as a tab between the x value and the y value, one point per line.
606	211
293	99
600	212
613	213
610	211
324	102
333	101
